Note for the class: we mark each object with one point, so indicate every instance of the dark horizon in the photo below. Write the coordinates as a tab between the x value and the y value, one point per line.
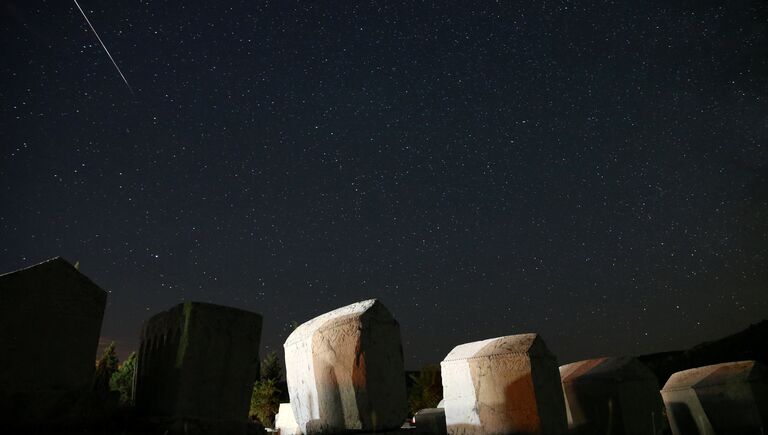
597	174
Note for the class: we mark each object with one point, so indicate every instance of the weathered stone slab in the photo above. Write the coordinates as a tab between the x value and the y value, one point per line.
503	385
612	395
345	371
430	421
198	361
285	422
728	398
50	320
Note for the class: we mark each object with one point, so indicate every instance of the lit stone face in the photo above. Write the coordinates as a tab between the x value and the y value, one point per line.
50	320
198	361
504	385
612	395
345	371
728	398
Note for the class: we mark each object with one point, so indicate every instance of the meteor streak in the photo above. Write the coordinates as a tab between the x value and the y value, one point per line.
103	46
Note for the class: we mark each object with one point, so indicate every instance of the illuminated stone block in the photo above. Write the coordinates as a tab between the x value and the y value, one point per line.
728	398
612	395
50	320
345	371
504	385
197	364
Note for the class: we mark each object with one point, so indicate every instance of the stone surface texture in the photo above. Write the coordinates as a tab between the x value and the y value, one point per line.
345	371
612	395
198	361
504	385
50	321
728	398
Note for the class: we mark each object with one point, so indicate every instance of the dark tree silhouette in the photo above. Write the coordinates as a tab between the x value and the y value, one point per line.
122	380
265	399
106	366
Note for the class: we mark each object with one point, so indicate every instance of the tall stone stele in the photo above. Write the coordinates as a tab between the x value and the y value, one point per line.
50	320
196	367
504	385
617	395
345	371
728	398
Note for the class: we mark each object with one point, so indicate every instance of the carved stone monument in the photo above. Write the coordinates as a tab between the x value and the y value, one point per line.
728	398
197	364
345	371
50	320
612	395
504	385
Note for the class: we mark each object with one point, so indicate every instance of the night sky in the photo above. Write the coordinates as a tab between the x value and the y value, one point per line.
596	172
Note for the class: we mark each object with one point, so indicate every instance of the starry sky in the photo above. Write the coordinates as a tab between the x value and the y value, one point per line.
596	172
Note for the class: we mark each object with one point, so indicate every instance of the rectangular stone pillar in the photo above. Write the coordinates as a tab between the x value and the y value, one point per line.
198	362
50	321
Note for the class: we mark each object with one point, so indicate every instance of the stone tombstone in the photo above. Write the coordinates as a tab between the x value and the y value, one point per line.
198	362
345	371
504	385
612	395
728	398
50	321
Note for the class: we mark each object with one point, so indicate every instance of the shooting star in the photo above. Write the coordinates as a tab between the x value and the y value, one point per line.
103	46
